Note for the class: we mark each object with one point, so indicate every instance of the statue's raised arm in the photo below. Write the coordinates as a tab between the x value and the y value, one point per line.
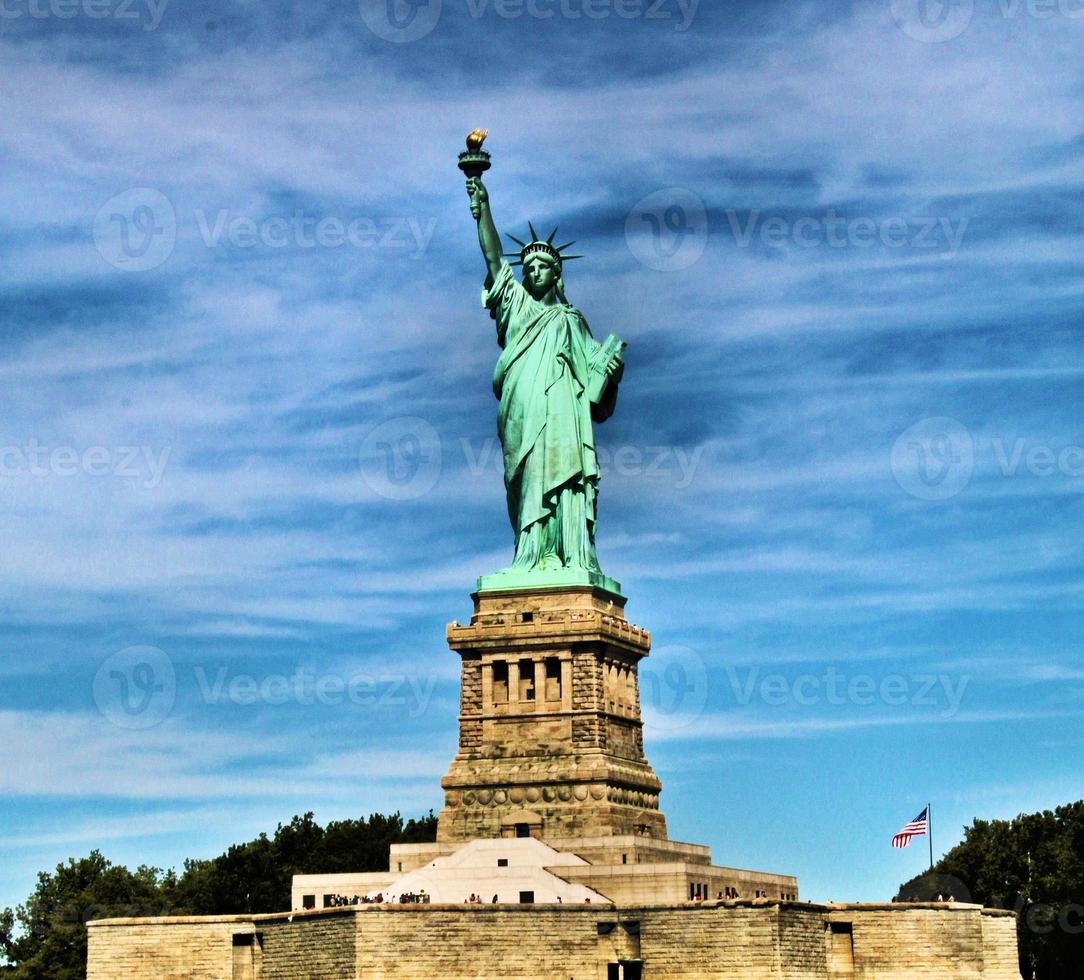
488	237
475	162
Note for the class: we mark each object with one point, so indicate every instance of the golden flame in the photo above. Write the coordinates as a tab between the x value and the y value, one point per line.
475	139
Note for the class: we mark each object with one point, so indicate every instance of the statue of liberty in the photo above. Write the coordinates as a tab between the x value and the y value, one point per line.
553	379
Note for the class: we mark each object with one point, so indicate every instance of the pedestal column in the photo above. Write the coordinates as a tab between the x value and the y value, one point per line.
558	763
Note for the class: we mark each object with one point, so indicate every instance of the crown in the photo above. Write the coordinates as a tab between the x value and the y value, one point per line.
539	245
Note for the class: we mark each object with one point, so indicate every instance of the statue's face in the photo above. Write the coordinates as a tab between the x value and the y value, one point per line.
539	276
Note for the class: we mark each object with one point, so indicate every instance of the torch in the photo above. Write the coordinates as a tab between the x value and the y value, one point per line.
475	161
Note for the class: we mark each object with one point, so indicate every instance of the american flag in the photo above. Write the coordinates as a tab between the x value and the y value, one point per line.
916	828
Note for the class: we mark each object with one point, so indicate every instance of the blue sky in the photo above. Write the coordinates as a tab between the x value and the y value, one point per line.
249	465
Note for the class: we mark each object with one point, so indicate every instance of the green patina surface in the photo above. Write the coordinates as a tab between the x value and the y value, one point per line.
554	381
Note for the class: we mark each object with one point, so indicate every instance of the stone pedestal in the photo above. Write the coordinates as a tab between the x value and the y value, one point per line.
550	734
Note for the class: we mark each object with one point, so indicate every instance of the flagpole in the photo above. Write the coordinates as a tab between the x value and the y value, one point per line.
929	828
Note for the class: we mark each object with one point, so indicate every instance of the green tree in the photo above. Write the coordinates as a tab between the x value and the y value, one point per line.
256	877
46	938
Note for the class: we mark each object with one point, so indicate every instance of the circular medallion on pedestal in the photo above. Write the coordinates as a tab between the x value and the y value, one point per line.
500	797
485	797
515	795
582	793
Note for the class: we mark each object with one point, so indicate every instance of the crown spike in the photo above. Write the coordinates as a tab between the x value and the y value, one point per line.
538	245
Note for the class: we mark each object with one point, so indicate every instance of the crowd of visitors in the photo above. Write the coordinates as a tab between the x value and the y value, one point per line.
407	898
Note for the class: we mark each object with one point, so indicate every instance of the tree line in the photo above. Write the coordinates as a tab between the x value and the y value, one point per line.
45	938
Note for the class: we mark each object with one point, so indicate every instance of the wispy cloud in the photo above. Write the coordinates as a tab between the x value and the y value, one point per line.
88	758
714	727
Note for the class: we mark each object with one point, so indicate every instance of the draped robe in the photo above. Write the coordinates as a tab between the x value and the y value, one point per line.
550	464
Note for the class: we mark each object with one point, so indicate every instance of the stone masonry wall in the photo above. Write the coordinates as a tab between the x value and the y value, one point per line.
164	949
1000	950
744	941
506	942
470	699
586	697
802	952
916	942
711	944
318	948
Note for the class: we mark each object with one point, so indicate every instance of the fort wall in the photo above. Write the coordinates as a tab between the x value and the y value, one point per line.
758	940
